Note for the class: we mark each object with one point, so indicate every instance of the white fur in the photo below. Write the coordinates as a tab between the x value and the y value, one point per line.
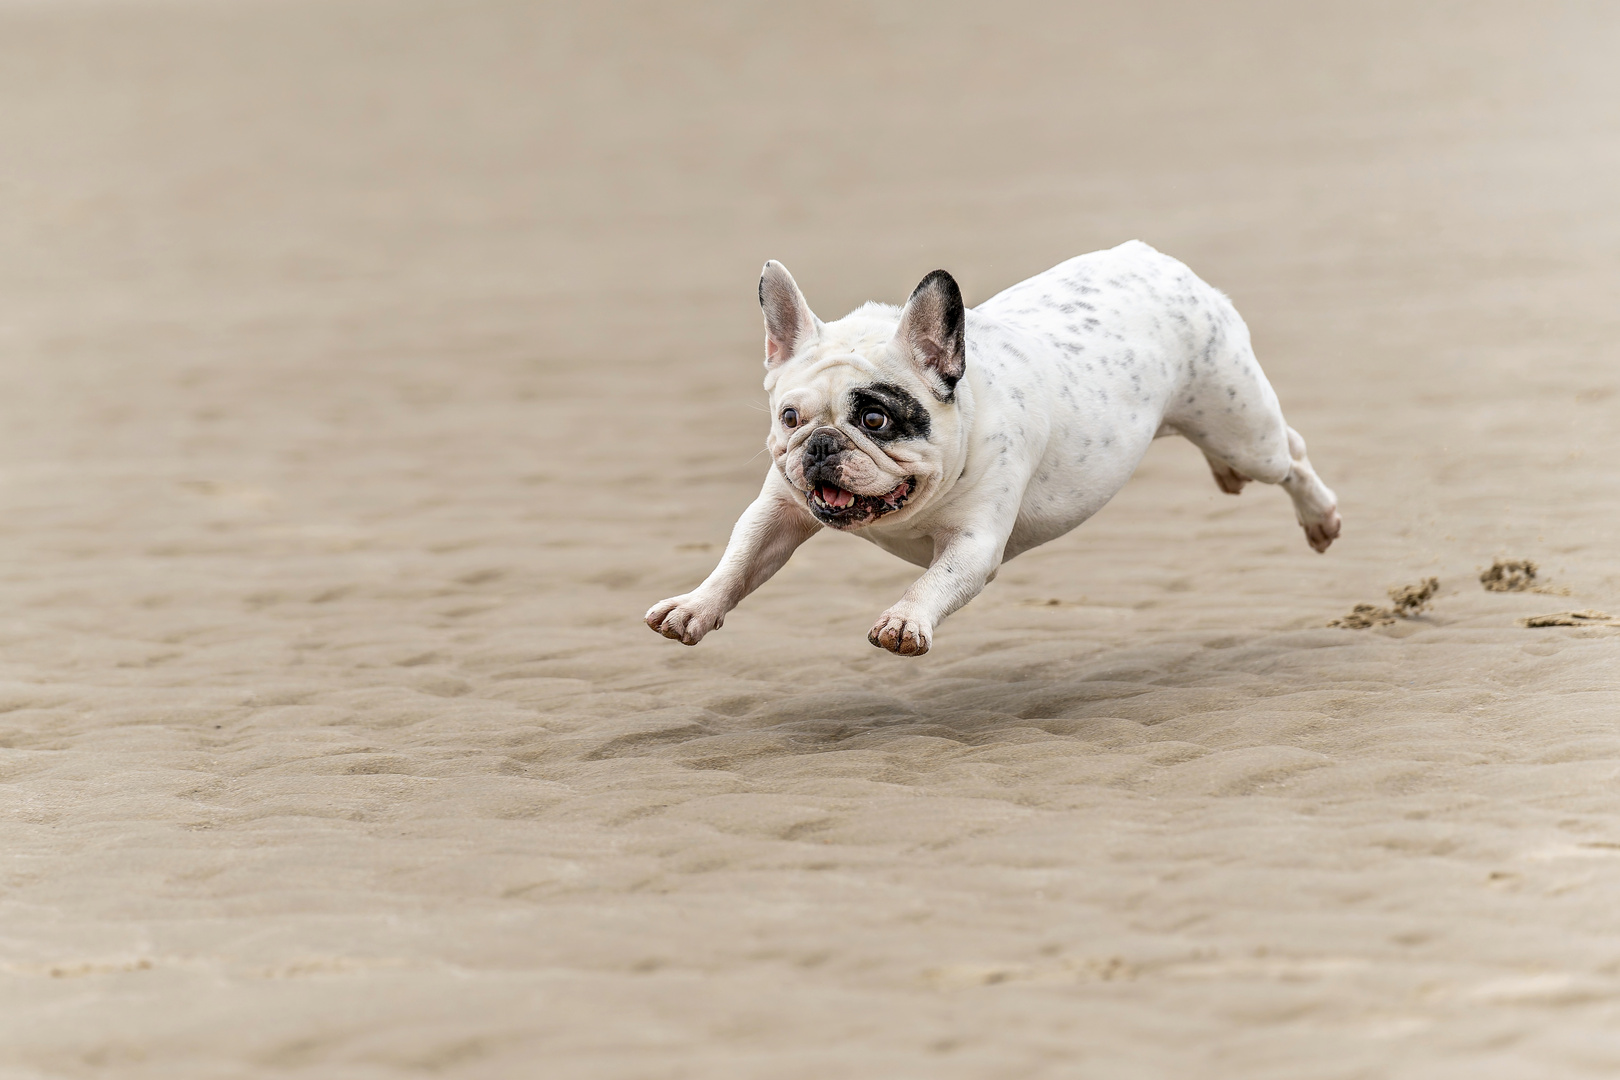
1070	375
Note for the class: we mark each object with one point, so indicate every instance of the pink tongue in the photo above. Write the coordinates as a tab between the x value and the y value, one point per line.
837	498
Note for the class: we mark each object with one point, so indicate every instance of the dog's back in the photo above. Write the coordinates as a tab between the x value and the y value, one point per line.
1115	347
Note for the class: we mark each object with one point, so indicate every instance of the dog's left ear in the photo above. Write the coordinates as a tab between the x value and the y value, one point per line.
933	330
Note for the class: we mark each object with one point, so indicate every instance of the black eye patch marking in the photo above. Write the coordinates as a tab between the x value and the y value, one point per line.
908	419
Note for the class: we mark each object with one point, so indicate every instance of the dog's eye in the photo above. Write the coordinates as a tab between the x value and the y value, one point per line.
874	419
790	417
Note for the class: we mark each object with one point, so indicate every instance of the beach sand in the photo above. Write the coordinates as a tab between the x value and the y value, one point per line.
367	369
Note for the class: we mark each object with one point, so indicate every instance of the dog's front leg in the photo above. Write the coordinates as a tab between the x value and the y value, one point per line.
770	530
963	562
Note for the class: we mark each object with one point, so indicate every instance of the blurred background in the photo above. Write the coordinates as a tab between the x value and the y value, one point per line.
367	368
247	230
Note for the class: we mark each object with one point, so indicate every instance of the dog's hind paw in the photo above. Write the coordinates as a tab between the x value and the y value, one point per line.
1321	534
1227	478
901	634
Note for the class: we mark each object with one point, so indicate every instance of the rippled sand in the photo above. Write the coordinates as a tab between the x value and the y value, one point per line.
367	369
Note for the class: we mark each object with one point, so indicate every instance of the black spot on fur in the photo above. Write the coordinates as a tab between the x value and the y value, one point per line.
908	418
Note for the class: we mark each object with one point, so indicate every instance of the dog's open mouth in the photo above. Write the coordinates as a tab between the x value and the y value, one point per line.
845	509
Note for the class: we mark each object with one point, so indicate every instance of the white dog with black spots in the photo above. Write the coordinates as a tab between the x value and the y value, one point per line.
957	439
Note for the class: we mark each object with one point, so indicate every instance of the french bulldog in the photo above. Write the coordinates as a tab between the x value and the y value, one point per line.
957	439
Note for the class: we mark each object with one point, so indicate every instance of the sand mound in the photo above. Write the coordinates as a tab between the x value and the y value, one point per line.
1571	618
1406	601
1509	575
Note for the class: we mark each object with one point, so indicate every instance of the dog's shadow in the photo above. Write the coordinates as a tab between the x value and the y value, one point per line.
1167	701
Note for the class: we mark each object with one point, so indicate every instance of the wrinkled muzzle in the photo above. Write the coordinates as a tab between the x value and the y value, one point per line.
838	480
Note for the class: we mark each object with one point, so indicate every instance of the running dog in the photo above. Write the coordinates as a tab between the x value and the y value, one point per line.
957	439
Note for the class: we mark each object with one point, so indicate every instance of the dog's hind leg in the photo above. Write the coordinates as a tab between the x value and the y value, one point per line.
1227	408
1239	426
1227	478
1314	502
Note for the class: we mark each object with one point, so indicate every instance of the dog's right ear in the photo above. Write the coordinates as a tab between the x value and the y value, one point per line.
789	322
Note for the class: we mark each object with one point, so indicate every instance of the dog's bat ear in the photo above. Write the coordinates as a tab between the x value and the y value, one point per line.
789	322
933	329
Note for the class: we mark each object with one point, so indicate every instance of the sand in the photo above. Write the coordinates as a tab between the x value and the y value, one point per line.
367	369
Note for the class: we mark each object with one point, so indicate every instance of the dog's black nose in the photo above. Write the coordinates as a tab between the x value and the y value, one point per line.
820	446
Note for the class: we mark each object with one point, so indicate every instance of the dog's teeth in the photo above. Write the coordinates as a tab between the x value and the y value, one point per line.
837	498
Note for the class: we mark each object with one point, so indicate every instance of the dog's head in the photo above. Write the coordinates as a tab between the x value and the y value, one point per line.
866	414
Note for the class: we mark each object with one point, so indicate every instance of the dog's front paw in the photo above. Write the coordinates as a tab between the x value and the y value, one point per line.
685	618
901	632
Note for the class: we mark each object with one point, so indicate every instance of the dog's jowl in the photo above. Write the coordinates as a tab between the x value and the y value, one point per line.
957	439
